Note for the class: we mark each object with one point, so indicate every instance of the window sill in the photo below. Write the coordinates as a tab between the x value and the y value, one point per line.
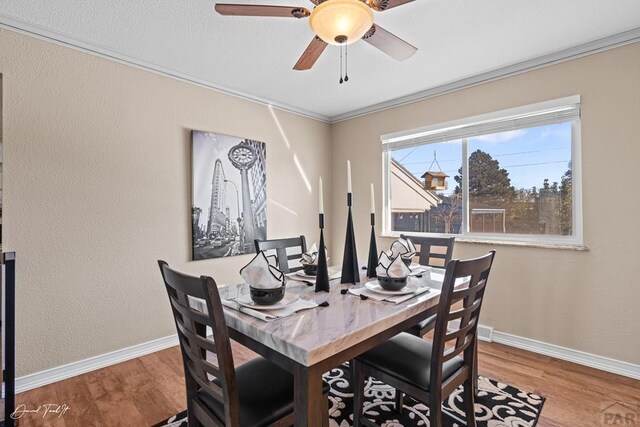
579	248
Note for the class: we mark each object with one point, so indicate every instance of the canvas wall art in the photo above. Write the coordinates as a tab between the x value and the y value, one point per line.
229	209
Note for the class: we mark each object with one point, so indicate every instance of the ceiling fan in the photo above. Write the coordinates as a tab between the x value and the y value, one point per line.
337	22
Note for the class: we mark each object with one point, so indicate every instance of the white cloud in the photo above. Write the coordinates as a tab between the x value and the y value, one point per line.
502	136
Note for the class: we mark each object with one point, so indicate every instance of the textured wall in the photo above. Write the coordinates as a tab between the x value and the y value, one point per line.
97	188
581	300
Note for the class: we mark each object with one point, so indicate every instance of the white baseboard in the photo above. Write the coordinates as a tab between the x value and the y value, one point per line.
485	333
39	379
576	356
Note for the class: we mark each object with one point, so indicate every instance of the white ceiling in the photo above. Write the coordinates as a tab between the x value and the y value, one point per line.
254	56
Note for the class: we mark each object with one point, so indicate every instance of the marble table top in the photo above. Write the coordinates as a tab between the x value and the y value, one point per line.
311	336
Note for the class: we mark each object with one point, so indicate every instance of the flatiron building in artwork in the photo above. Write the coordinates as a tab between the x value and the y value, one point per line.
217	218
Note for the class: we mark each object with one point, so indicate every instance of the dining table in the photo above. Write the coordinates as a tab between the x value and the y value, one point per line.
314	341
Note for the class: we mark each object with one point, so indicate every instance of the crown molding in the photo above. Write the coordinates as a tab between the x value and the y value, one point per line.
585	49
10	23
589	48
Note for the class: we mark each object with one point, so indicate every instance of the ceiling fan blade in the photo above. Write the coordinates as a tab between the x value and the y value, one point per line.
390	44
261	10
381	5
311	54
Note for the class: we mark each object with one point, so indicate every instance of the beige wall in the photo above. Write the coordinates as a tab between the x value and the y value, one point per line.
581	300
97	188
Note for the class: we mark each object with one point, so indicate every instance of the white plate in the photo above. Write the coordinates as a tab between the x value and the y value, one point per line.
335	275
246	301
375	287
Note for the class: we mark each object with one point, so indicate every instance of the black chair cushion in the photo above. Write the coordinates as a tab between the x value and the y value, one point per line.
265	392
408	358
423	327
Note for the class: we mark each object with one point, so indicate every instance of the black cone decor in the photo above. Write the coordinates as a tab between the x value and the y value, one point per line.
322	275
350	272
373	250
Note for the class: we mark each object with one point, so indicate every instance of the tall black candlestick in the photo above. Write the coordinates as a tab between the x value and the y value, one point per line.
350	272
373	250
322	274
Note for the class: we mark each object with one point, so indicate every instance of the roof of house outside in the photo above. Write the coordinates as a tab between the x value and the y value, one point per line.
409	194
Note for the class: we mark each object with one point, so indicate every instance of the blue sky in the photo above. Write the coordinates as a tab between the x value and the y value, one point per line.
529	155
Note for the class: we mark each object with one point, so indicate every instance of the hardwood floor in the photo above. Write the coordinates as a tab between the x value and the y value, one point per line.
146	390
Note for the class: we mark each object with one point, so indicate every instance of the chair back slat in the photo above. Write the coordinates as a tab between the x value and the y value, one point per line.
189	312
208	368
460	333
457	314
214	389
203	343
456	327
191	326
280	247
467	290
439	249
455	351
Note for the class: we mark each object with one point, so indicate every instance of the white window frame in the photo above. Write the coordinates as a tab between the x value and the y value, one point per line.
406	137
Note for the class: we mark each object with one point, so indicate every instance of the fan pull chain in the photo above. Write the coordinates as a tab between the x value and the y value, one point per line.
346	63
341	65
341	79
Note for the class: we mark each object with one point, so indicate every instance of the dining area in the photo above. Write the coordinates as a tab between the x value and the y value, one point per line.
306	320
209	233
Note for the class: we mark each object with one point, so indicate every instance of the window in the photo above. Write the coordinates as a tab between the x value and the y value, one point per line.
512	175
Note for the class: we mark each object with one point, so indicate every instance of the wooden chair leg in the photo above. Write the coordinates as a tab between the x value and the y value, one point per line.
325	414
435	410
191	415
399	401
474	373
358	392
352	372
468	397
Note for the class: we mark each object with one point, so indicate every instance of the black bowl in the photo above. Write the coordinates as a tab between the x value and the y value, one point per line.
392	283
310	269
266	296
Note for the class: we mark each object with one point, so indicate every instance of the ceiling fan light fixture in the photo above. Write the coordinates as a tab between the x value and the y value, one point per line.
335	20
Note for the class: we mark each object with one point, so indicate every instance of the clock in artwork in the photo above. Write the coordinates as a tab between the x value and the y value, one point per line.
229	201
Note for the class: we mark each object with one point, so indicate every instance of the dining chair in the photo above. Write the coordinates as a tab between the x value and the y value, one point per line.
257	393
280	246
430	372
432	258
427	255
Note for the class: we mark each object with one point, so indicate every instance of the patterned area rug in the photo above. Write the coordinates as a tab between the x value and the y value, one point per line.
497	405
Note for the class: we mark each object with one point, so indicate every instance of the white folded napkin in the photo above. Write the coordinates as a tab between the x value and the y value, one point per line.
404	248
392	267
259	273
334	273
269	315
311	256
394	299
